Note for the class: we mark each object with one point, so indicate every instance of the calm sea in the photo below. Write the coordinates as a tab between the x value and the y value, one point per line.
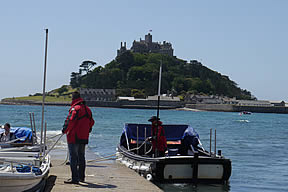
256	144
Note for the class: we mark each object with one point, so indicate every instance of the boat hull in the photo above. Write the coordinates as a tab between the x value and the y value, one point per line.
178	169
16	185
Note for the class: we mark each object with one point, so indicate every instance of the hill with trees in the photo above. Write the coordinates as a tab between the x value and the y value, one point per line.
136	74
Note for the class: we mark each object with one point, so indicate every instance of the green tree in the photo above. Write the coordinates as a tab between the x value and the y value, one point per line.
87	65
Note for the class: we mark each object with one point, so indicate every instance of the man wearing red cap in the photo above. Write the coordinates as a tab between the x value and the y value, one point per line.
159	142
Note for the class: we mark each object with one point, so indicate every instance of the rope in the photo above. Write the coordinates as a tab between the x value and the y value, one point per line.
54	136
105	158
52	147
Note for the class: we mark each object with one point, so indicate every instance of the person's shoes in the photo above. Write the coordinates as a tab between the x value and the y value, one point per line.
82	180
67	163
70	181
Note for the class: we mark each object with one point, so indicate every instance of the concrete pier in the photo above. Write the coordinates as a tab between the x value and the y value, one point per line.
99	177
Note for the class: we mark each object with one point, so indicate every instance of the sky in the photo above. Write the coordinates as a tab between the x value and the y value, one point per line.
245	40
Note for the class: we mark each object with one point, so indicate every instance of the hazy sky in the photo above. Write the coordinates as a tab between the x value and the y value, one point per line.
245	40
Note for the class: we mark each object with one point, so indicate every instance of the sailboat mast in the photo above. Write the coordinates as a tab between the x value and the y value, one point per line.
44	84
159	89
158	107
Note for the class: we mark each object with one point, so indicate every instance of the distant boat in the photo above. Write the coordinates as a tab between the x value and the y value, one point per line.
245	113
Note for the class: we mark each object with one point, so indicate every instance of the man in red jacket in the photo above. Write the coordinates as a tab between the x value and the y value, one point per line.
77	127
159	142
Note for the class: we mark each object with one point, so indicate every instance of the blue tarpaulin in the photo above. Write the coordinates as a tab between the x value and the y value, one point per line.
20	132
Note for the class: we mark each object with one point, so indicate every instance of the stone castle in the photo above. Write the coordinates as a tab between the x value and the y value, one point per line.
147	46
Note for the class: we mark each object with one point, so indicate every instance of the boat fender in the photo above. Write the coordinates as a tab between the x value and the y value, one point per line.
135	167
144	168
149	177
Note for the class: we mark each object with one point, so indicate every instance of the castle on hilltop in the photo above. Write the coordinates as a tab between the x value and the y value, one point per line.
147	46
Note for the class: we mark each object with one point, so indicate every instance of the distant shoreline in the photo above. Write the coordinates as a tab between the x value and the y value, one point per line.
163	106
30	102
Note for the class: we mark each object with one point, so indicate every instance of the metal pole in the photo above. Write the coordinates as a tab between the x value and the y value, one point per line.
45	138
159	89
128	146
137	140
31	120
158	107
210	140
215	143
44	84
145	141
34	127
31	127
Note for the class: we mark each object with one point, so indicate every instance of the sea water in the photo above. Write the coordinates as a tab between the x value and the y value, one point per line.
256	144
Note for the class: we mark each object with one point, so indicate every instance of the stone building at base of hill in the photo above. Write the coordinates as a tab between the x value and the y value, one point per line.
98	94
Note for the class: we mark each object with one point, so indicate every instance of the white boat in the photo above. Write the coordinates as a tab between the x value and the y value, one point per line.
21	172
23	168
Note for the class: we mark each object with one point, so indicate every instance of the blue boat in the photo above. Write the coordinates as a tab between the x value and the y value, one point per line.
185	160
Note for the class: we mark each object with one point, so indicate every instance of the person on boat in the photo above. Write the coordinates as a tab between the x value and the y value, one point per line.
6	135
159	142
77	127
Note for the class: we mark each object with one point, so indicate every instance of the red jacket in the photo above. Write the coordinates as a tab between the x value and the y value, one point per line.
78	123
161	139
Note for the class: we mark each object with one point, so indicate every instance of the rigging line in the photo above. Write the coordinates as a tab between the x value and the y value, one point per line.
105	157
52	147
54	136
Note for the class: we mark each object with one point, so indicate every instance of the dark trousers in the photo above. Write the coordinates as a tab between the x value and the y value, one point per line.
77	161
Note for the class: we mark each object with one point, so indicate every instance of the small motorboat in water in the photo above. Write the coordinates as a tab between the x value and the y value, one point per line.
245	113
186	160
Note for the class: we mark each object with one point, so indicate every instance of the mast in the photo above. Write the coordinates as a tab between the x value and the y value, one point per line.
158	107
159	89
44	84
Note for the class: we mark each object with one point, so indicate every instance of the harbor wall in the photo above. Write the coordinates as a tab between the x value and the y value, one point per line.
237	108
138	104
152	104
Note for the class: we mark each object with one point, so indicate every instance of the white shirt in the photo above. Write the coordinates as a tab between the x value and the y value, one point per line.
5	137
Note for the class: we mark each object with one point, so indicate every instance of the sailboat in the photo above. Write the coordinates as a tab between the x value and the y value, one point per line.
186	160
24	166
